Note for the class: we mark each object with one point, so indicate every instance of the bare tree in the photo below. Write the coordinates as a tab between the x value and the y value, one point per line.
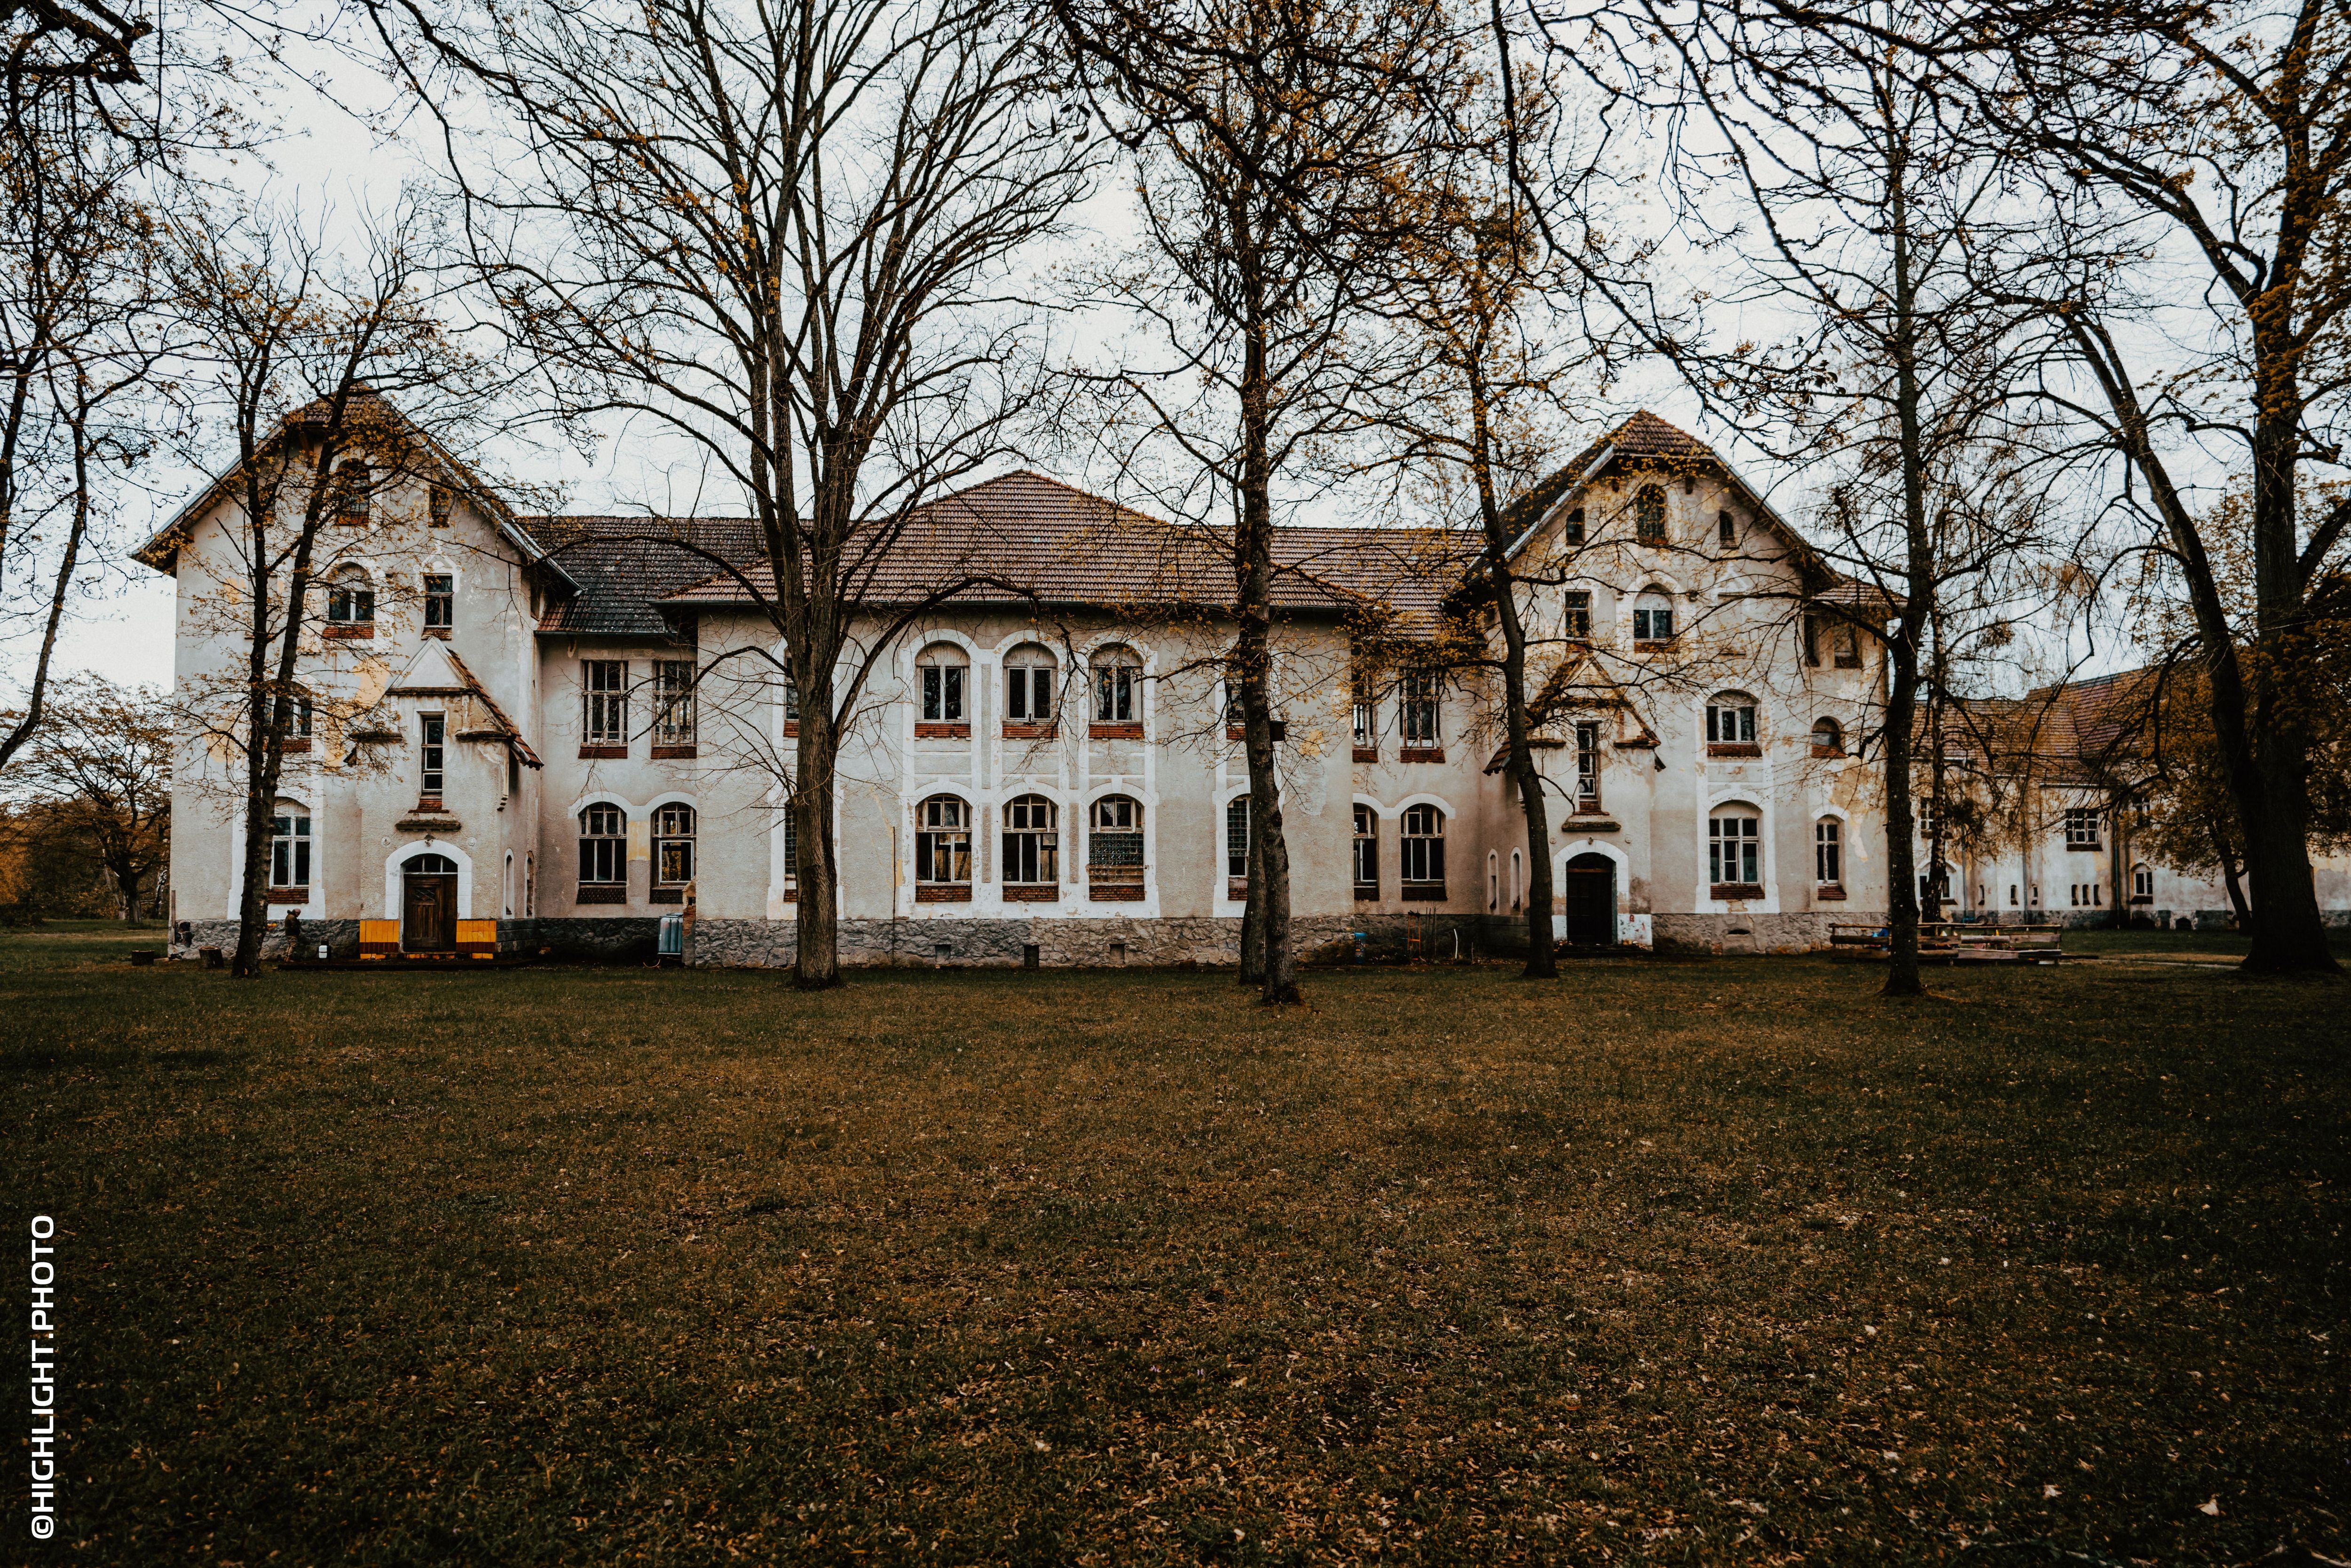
797	239
1265	137
101	764
2212	142
296	359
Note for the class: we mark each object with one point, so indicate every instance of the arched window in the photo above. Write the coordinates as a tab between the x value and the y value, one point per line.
350	602
1726	529
1828	737
603	847
673	845
1493	880
1653	616
2143	883
1117	675
943	844
1028	679
1032	841
1828	852
1236	844
1367	852
1114	845
1518	883
1734	848
1649	514
1423	848
942	668
428	865
1730	724
289	846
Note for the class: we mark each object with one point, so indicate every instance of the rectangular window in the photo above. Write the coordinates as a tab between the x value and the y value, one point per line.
943	693
436	503
1653	626
351	603
354	483
673	691
2082	827
1114	692
1811	626
1575	620
1847	641
1367	851
1587	765
604	846
440	602
606	719
1367	714
1726	530
1828	853
289	851
304	716
1571	532
1420	711
434	756
1734	851
1237	839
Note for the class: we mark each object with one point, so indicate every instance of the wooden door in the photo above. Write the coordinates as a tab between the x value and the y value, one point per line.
1589	898
429	912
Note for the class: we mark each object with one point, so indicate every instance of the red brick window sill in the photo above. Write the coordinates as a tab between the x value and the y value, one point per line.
791	728
942	893
602	892
1421	754
348	631
1733	749
1829	893
791	893
289	896
926	731
1736	890
1367	892
1424	893
675	753
297	746
1367	754
605	753
1024	892
1115	892
666	895
1115	732
1281	729
1016	731
1823	751
1236	888
442	632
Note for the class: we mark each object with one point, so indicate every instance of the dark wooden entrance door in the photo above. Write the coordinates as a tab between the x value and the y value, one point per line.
1589	897
428	906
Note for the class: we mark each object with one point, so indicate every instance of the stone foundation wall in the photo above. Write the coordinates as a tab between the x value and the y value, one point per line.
341	937
1002	942
1801	931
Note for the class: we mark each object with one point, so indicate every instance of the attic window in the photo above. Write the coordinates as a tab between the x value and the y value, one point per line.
1649	516
1725	528
437	503
353	483
1572	531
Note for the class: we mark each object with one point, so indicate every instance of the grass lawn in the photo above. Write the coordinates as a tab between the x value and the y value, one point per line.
1677	1262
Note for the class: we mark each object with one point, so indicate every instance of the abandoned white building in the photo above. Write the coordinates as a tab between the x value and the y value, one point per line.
563	723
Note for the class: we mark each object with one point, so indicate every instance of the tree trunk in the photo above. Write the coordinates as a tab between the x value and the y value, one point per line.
1253	915
816	920
1902	977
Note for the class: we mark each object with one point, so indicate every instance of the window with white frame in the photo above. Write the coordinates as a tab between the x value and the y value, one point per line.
673	694
2143	882
604	846
1114	845
674	844
1517	871
1365	715
1237	838
1422	847
1653	617
289	846
604	719
351	598
943	842
1571	530
1734	848
1844	642
305	715
1730	720
2082	827
1118	677
433	755
1828	852
1032	840
1587	765
1493	880
1575	616
792	850
440	602
1028	681
1367	852
943	669
1422	691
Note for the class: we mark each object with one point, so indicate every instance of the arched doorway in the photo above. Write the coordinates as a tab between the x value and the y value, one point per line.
1588	899
428	905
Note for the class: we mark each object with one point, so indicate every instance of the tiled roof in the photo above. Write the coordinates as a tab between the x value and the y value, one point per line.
1026	538
2091	733
624	565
